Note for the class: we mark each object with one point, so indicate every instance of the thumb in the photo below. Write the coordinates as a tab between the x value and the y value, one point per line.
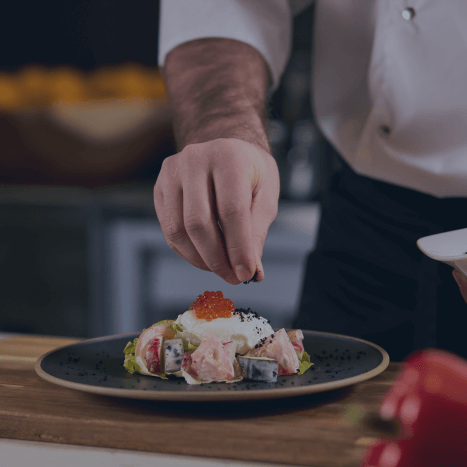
263	212
461	282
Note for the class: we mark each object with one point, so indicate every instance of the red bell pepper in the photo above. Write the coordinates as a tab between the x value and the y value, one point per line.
429	398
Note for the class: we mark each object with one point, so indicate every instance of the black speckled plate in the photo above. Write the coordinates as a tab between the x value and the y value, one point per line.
96	365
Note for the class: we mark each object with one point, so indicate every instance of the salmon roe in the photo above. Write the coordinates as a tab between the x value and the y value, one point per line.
212	305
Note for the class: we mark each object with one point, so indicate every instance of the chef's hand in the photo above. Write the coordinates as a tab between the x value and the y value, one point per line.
226	181
461	282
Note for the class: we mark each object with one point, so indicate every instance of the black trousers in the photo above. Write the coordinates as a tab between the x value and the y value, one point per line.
368	279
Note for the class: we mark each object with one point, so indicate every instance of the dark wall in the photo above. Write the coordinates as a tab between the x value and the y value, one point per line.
85	34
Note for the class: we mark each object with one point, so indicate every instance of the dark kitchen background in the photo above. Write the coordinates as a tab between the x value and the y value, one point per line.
81	252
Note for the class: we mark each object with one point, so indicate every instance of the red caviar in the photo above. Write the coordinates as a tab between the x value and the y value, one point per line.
212	305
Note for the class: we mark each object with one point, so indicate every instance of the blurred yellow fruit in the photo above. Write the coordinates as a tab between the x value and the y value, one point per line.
35	86
67	84
10	97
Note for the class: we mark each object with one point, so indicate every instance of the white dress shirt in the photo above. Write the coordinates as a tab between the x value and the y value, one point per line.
389	77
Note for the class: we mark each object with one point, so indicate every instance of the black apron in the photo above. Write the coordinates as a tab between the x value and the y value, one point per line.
367	278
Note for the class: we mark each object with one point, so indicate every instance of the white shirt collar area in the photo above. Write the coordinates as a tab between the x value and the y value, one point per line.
396	111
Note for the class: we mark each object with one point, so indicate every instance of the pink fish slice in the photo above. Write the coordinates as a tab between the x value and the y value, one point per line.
213	360
281	349
296	337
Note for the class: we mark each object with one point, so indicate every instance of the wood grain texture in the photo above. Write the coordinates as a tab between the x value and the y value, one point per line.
31	346
304	430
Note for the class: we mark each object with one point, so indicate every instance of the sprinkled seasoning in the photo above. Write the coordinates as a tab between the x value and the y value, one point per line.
248	315
263	341
253	279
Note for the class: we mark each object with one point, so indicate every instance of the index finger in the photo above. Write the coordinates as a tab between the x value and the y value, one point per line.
201	224
233	198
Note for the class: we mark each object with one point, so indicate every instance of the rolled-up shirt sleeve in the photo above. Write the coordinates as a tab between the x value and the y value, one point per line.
265	25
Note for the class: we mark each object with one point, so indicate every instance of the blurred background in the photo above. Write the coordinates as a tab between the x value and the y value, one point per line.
84	128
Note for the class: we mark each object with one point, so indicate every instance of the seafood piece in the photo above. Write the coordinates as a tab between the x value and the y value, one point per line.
259	368
160	330
296	337
213	359
173	354
153	356
281	349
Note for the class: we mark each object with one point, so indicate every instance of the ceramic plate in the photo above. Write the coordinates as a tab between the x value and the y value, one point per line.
448	247
96	365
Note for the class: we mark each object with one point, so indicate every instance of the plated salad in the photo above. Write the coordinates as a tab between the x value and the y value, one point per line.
215	342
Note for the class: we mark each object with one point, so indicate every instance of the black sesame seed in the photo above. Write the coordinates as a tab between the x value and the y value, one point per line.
253	279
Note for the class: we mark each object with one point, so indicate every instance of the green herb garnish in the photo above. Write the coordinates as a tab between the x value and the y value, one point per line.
130	347
304	363
130	364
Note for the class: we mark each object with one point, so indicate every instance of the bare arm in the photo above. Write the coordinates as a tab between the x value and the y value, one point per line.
217	89
224	173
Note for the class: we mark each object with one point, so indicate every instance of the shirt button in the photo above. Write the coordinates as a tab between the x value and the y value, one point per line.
385	130
408	13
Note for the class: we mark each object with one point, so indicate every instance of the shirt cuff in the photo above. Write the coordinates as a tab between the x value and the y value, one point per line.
266	26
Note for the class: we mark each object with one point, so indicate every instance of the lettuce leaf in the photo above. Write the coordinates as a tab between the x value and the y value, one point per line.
177	327
160	322
130	347
172	325
304	363
188	346
159	375
130	364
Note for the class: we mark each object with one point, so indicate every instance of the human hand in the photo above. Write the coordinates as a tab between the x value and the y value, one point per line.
429	398
461	282
226	181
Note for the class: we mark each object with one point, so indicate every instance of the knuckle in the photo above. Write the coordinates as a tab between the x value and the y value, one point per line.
158	196
218	266
190	155
232	250
165	179
165	164
165	168
190	149
232	210
195	224
174	234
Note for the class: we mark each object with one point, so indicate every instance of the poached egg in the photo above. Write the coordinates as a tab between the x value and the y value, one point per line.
245	327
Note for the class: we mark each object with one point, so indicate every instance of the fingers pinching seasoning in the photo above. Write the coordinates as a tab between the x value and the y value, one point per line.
215	202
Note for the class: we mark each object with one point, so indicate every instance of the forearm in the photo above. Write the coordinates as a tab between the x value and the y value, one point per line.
217	88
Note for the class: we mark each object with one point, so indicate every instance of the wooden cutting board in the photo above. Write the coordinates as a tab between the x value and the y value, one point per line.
305	430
